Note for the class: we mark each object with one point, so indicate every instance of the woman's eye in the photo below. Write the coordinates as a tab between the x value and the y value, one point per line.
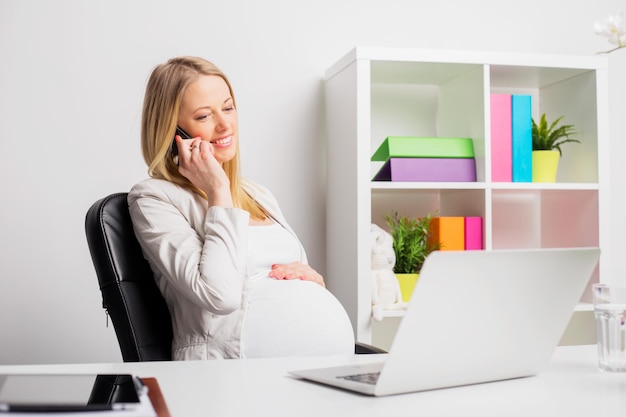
203	117
230	108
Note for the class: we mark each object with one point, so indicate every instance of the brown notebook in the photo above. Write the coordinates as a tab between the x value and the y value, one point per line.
156	397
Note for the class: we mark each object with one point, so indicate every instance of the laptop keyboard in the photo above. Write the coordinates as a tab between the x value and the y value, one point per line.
367	378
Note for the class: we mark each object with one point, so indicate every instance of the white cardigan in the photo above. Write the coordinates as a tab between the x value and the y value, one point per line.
198	256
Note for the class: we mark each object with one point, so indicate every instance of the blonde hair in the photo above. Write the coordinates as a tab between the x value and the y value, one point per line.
161	106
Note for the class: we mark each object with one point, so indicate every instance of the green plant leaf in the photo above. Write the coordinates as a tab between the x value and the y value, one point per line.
411	243
550	137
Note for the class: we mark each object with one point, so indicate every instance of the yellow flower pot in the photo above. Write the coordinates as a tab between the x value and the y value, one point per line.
407	284
545	165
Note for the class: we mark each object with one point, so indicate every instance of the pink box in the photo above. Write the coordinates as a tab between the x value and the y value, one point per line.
501	138
473	233
428	169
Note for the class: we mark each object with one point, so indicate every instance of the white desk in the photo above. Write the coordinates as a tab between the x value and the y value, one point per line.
572	386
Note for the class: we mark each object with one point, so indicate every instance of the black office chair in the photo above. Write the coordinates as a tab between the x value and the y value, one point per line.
130	295
140	316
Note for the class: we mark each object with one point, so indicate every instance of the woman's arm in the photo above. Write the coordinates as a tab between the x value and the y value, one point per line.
199	251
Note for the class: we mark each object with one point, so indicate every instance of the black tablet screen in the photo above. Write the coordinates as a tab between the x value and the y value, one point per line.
67	392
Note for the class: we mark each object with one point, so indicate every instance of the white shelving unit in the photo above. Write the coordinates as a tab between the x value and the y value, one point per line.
372	93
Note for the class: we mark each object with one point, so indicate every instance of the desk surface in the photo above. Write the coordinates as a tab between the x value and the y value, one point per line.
571	386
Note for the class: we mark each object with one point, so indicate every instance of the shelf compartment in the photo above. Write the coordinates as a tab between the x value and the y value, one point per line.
419	203
427	100
544	218
567	92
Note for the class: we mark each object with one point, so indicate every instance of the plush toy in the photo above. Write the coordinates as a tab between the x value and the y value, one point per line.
385	288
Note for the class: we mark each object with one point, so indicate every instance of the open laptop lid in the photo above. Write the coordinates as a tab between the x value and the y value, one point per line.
477	316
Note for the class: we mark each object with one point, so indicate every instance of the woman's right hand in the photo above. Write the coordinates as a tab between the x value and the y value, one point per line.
197	163
296	270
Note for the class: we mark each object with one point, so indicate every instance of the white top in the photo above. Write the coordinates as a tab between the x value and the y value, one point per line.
285	317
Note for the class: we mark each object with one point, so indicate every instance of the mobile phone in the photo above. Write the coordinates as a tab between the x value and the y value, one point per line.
184	135
69	392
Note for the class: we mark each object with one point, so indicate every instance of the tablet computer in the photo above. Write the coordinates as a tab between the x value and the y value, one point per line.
69	392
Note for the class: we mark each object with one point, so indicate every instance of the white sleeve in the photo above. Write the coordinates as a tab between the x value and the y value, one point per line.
206	264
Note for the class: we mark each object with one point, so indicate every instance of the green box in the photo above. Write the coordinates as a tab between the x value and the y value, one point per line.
424	147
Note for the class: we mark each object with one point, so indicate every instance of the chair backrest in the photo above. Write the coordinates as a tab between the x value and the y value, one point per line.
130	295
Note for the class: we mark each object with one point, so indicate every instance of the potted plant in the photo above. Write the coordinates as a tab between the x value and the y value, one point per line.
411	245
547	141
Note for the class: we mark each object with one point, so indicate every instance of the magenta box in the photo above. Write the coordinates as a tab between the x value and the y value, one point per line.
473	233
428	169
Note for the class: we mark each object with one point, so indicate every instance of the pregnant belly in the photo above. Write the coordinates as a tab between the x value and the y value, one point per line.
294	318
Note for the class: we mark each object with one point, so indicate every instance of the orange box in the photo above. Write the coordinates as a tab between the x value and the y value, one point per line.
449	232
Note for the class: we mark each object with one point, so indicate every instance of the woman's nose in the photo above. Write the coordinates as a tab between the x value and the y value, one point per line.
220	122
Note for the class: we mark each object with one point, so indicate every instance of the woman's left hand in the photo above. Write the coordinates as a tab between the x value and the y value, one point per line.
296	270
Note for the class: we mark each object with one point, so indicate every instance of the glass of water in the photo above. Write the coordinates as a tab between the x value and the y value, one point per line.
609	302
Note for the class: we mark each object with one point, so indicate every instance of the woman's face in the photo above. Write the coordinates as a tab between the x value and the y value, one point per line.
208	111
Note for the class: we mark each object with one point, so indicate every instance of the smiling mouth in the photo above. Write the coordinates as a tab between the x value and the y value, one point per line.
222	141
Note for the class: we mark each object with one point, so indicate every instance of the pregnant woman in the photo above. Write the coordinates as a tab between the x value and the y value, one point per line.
233	273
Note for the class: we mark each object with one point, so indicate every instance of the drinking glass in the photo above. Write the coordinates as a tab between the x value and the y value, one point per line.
609	301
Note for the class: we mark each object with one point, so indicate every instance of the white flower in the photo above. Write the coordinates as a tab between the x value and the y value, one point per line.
614	28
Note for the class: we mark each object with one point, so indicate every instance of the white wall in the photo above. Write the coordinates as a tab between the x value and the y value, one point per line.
72	75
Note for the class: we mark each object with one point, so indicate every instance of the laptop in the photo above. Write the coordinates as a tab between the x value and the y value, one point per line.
474	317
